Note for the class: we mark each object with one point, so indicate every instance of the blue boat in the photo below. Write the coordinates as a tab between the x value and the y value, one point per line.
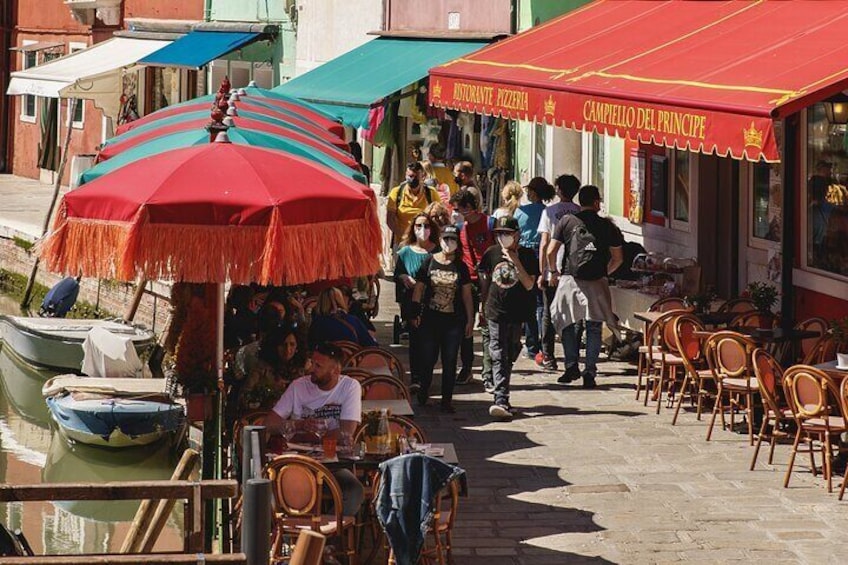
113	412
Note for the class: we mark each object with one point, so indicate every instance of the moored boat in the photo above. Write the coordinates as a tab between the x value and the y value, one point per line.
56	343
113	412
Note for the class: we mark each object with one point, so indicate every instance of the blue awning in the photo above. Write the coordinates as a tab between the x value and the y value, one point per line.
348	85
197	48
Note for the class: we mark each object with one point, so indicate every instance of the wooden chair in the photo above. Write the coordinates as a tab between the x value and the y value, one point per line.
250	419
349	348
661	305
360	375
441	526
308	549
729	358
663	358
738	305
398	425
806	346
669	304
815	402
769	375
824	350
379	362
843	401
300	484
691	352
438	541
378	387
754	319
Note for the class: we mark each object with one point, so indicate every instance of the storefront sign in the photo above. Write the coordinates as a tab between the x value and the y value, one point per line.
742	136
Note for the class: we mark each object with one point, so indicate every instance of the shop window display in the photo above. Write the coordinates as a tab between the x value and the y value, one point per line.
826	195
681	186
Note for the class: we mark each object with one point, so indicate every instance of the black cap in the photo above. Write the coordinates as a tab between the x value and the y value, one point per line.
450	232
330	350
506	223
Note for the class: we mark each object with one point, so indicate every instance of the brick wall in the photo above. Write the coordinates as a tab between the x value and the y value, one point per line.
113	297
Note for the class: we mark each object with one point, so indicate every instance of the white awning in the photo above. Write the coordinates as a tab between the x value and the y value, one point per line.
90	74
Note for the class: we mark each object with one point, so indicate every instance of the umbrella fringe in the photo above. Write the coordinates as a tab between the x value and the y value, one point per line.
277	254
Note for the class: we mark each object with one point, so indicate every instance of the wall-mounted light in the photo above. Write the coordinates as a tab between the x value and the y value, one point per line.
836	109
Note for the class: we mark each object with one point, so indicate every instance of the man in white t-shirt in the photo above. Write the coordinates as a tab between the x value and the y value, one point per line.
325	394
566	187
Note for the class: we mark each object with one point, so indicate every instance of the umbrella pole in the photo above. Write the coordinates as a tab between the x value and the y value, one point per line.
212	432
56	189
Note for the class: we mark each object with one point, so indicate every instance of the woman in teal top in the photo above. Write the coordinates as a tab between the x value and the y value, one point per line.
418	243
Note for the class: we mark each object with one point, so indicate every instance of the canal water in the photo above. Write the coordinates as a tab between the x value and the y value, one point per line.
32	452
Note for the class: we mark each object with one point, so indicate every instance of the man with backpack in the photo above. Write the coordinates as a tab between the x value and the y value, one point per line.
407	200
593	250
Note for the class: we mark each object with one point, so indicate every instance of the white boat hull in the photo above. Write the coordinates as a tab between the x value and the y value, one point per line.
56	343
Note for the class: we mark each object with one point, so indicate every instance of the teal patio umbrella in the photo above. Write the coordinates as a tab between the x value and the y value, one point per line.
241	136
315	132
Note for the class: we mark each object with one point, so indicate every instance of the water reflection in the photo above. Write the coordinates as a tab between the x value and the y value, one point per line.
31	451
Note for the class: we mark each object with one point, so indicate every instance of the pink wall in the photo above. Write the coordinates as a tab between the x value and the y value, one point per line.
485	16
164	9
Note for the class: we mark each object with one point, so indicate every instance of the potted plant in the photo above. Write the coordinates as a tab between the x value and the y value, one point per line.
764	297
839	329
701	301
195	362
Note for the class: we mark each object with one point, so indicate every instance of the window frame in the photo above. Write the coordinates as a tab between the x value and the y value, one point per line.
807	276
23	116
675	224
73	47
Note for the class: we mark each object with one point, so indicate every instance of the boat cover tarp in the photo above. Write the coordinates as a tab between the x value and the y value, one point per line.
108	355
112	387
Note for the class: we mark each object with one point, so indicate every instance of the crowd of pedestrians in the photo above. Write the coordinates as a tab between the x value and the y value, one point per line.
535	269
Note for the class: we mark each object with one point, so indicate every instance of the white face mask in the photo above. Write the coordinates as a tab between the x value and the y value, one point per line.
448	245
506	240
422	233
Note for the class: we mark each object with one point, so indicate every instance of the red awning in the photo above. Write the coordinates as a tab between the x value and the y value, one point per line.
707	76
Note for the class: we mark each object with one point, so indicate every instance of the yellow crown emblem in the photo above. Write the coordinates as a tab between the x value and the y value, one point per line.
437	90
753	136
550	106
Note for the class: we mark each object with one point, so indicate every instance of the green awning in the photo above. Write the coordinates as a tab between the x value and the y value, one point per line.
348	85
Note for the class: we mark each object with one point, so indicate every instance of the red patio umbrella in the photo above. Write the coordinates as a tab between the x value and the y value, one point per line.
116	146
218	212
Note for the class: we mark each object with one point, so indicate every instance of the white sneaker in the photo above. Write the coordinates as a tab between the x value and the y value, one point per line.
500	412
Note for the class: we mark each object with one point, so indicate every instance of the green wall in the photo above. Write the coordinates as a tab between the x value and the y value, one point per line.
530	13
247	10
615	178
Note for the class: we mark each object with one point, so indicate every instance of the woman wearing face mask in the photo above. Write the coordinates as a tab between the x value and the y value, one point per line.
407	200
419	243
443	314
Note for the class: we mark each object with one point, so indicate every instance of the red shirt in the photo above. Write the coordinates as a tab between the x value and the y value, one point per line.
476	238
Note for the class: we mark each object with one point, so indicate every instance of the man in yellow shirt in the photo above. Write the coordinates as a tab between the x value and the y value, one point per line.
407	200
444	175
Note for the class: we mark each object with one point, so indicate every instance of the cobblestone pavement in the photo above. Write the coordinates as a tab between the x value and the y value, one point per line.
595	477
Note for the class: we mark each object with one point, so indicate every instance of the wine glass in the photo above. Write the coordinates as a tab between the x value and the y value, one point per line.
288	430
320	427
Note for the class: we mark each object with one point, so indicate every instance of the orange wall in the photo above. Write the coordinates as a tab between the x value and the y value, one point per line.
47	15
27	135
164	9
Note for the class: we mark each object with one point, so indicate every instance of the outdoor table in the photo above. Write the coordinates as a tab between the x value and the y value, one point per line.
778	340
399	407
708	318
829	368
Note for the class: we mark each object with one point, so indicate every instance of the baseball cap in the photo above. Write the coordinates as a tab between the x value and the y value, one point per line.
506	223
450	232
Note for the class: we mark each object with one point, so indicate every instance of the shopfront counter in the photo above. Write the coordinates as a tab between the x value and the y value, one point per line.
626	301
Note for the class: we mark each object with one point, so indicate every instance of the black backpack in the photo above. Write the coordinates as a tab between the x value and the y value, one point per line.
581	250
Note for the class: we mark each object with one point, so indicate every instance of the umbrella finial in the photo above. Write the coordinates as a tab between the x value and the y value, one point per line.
251	84
231	111
222	137
229	122
234	97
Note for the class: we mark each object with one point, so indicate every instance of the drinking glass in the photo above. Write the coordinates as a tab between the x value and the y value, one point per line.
413	443
288	430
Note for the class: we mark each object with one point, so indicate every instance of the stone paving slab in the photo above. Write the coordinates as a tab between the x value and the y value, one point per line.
596	477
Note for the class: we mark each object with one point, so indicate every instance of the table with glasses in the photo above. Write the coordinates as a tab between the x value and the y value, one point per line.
707	318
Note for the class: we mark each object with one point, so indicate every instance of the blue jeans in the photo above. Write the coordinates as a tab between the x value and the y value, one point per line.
439	334
504	347
532	330
571	345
